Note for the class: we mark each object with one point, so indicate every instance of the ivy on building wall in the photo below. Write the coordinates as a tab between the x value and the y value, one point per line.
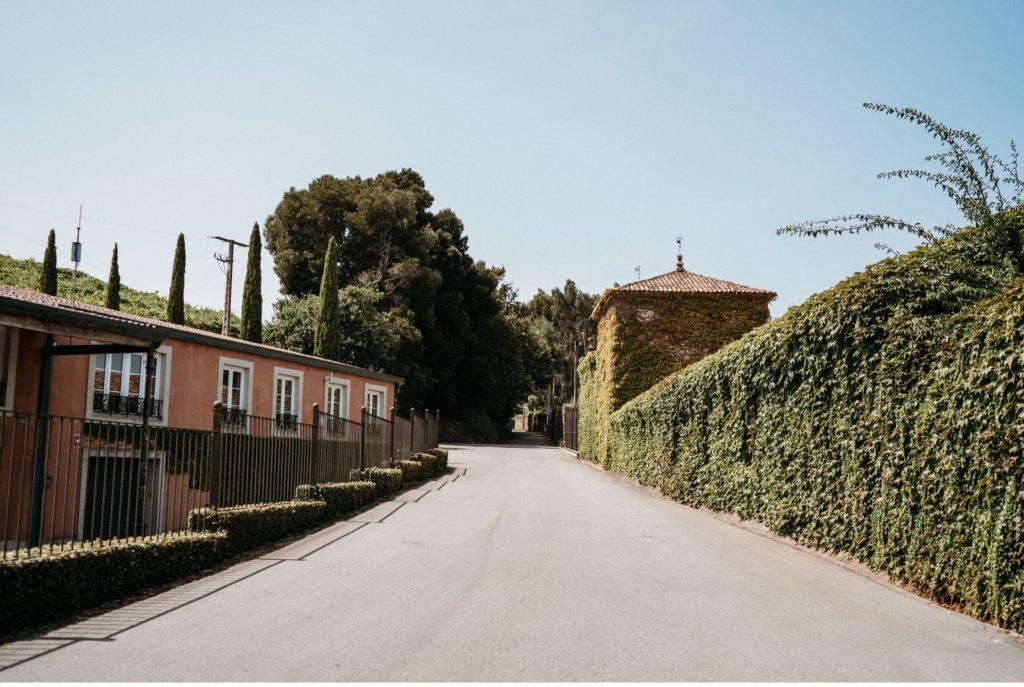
883	418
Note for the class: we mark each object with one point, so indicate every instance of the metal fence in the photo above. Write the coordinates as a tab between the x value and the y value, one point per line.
67	481
571	427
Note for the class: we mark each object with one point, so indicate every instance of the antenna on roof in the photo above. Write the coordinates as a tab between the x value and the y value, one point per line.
679	254
636	269
76	255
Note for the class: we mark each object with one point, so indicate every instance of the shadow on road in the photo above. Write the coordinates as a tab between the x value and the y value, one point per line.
518	439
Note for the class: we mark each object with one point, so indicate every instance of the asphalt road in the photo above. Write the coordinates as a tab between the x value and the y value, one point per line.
527	565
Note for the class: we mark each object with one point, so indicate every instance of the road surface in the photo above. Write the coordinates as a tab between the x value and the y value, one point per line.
525	565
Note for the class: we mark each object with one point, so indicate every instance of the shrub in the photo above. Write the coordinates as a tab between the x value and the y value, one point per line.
412	470
431	466
387	480
441	455
340	497
253	525
37	589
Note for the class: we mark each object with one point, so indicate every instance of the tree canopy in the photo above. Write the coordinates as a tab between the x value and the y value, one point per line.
459	339
176	296
252	291
48	275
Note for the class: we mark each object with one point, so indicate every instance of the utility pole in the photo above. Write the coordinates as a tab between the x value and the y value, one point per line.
76	255
225	327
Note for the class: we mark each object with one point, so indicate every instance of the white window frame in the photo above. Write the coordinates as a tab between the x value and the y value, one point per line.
383	391
341	384
161	386
296	376
7	403
246	367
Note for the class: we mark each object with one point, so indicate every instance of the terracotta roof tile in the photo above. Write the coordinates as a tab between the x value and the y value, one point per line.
680	281
158	329
683	281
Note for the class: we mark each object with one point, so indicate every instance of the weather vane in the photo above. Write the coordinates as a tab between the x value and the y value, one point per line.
679	254
637	270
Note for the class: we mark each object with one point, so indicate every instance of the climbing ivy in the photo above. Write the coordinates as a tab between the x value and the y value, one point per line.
883	418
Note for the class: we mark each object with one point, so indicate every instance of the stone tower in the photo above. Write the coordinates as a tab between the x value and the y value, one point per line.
651	328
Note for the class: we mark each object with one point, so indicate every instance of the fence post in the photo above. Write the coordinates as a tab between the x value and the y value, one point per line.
314	444
362	440
216	452
392	436
437	430
412	431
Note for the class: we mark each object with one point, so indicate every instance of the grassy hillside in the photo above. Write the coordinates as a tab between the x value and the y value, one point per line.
25	273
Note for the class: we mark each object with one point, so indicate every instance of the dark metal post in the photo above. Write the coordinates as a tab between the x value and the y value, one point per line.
216	452
412	432
314	444
35	531
392	436
362	440
147	408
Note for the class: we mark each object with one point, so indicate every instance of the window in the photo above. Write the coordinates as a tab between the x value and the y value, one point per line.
336	401
376	398
8	357
287	397
118	384
232	387
235	389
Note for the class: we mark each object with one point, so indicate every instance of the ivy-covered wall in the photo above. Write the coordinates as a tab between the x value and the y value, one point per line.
644	337
652	336
884	418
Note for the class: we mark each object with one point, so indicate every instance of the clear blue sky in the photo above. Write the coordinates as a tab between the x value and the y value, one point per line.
574	139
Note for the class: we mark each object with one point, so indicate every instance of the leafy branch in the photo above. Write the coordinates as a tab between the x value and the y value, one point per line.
987	190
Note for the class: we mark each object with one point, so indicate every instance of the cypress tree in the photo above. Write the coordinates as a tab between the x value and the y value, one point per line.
48	277
252	298
114	283
176	298
325	335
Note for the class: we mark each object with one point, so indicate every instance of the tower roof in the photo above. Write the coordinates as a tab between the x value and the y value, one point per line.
680	281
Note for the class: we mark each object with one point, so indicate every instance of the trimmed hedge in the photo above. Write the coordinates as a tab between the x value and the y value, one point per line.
251	526
431	465
387	480
441	455
340	497
37	589
884	418
412	470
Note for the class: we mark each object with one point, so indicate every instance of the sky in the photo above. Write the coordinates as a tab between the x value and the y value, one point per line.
574	139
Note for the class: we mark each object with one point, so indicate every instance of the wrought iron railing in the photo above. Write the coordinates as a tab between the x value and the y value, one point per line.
66	482
128	406
287	422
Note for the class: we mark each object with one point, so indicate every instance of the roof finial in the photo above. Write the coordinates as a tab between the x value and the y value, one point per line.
636	268
679	255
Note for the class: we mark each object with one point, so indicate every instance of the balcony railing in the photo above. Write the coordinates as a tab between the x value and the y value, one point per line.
234	416
128	406
286	421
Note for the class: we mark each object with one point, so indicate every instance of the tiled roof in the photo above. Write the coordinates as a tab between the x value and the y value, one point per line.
155	330
680	281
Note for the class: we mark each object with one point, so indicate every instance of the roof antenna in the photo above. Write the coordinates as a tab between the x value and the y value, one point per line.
76	255
679	254
637	270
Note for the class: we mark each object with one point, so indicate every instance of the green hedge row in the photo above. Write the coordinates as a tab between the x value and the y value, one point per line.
250	526
34	590
340	497
884	418
442	456
412	470
387	480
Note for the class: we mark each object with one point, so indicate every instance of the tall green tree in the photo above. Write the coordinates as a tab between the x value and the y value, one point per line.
252	295
326	337
48	277
113	293
176	297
